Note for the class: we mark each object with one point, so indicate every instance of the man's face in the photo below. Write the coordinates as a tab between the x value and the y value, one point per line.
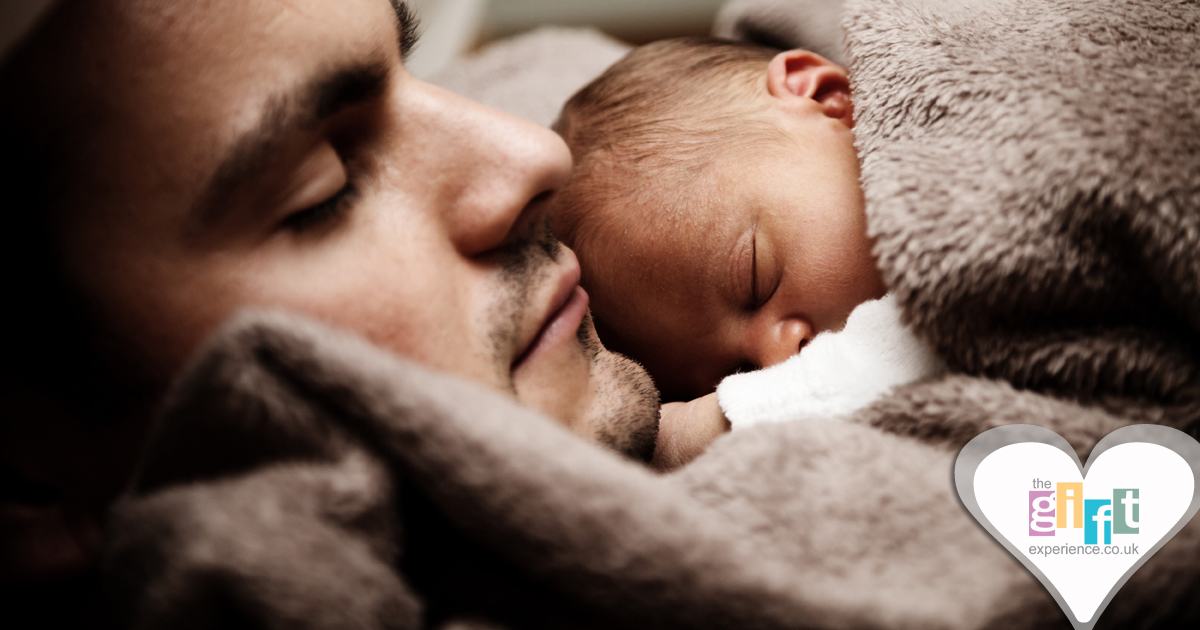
275	153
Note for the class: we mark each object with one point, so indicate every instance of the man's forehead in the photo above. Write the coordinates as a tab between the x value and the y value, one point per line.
148	34
108	43
246	30
167	86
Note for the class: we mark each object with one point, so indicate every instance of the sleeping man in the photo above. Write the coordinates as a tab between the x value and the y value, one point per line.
168	164
717	210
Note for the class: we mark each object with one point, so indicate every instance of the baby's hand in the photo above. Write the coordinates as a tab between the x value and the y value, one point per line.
685	430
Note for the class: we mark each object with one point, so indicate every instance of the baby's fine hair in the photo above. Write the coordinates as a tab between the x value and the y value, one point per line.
658	114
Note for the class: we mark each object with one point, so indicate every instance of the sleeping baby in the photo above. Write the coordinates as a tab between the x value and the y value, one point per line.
716	209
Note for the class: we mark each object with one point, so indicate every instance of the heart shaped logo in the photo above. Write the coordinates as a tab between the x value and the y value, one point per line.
1082	530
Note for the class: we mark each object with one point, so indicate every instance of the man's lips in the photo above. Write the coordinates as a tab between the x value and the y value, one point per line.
564	317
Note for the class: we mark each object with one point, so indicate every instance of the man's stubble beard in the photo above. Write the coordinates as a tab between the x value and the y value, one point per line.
624	403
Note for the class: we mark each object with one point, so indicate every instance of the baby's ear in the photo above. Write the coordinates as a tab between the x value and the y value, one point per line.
800	74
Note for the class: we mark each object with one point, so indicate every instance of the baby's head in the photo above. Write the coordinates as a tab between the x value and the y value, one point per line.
715	206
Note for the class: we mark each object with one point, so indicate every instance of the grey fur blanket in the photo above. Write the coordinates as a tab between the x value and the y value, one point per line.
1032	174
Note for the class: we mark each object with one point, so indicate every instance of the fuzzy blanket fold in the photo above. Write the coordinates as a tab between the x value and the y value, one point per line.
1032	175
297	468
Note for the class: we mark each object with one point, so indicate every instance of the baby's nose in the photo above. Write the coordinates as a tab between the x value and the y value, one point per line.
777	341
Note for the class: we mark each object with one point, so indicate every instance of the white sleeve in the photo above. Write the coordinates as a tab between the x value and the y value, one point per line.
835	374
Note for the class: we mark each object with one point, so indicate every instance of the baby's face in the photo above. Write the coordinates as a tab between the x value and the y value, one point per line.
766	250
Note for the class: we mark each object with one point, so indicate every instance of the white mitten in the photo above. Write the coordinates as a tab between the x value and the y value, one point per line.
835	374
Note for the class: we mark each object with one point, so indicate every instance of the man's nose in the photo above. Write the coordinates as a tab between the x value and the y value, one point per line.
773	340
493	168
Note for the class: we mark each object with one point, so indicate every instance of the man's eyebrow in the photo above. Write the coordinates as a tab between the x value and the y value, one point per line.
283	116
408	25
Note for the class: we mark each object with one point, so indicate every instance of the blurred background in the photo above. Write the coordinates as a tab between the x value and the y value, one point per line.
634	21
455	28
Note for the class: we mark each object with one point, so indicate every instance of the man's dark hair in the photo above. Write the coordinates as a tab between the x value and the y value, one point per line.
47	341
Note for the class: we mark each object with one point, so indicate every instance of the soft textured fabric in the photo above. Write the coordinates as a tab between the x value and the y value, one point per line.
814	25
836	374
1031	175
302	478
1035	193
